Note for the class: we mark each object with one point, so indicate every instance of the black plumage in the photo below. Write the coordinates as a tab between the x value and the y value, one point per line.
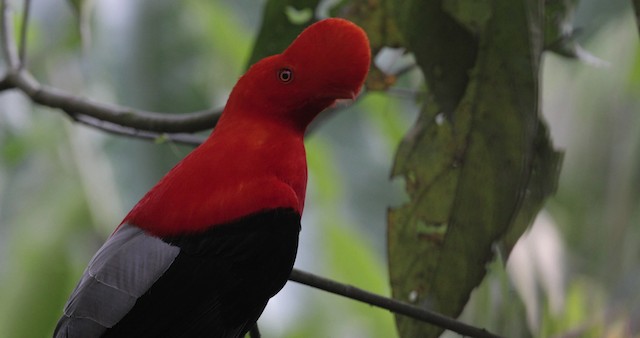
220	281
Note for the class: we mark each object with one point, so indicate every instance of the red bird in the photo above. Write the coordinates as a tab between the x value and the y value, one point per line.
204	250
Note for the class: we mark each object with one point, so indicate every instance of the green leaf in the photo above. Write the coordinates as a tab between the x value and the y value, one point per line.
558	30
559	33
478	163
298	17
278	29
376	18
545	170
444	50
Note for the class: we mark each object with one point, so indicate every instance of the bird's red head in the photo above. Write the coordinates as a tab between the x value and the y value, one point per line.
255	160
328	61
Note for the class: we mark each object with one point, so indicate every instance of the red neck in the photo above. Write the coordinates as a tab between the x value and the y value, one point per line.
245	166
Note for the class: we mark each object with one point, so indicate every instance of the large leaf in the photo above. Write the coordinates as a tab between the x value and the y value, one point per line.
476	153
444	50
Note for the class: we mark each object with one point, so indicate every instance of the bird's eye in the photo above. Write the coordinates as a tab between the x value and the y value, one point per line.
285	75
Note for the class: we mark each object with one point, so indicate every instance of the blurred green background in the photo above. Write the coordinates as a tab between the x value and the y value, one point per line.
64	187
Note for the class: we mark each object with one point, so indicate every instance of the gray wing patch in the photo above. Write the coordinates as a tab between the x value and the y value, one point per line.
124	268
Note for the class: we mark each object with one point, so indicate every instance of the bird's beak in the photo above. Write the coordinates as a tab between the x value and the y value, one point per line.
342	94
347	98
349	94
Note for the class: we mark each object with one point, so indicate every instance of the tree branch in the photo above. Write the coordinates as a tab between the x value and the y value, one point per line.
180	138
123	116
390	304
19	78
6	38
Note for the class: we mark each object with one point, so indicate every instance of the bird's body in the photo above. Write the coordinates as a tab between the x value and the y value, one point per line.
204	250
217	273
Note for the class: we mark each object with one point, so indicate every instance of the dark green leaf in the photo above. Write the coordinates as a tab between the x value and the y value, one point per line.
478	163
376	18
444	50
298	17
559	33
545	169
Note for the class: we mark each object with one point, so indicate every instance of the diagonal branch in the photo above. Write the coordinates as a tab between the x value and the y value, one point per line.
390	304
19	78
123	116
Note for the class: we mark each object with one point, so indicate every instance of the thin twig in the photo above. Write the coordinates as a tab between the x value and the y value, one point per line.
124	116
6	37
21	79
390	304
179	138
22	51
